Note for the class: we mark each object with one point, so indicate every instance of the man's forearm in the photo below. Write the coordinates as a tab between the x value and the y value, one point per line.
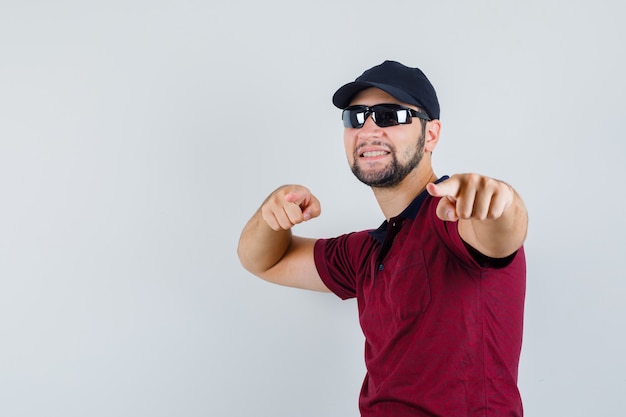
260	247
501	237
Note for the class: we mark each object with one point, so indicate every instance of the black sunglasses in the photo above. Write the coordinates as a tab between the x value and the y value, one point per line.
384	115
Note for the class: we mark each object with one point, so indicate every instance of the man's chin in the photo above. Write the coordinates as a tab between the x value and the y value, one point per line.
379	181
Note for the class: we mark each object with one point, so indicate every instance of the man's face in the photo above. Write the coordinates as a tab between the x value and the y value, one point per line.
383	156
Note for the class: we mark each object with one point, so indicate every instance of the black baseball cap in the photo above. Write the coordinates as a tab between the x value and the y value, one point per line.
406	84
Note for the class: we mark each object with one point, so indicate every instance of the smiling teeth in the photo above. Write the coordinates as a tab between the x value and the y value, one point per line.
374	153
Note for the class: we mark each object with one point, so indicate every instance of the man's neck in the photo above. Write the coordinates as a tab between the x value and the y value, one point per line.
393	200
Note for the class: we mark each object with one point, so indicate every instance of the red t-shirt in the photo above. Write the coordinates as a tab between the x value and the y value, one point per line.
443	330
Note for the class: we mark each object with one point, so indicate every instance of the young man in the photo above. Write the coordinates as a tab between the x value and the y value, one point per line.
440	284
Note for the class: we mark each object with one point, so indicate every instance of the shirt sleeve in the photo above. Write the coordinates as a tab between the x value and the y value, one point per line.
449	233
339	261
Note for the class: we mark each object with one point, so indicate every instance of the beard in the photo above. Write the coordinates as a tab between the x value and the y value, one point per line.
393	174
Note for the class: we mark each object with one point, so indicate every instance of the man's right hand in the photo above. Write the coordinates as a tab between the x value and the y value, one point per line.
267	247
289	205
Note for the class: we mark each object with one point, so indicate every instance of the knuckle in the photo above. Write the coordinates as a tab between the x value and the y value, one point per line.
464	212
266	213
473	179
492	216
285	224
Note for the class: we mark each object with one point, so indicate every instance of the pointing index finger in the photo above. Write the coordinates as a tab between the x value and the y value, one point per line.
296	197
449	188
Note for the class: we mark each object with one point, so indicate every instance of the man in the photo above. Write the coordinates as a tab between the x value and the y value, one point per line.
440	284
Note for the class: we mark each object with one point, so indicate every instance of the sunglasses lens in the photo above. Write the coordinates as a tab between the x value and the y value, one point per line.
354	117
385	116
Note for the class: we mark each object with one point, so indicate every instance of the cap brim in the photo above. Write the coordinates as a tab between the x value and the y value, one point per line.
345	94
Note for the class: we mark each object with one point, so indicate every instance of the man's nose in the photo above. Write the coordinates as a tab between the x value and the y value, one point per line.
370	128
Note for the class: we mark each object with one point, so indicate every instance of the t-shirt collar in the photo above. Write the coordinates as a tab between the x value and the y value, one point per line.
408	213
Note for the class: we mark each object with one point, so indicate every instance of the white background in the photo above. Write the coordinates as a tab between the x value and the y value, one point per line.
137	138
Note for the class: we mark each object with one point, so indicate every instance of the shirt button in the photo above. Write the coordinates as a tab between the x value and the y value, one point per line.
381	267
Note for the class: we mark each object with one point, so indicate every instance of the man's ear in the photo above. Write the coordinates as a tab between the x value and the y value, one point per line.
431	135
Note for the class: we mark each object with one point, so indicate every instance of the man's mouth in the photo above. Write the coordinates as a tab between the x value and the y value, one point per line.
373	154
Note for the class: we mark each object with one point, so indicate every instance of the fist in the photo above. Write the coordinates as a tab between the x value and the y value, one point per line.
288	206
